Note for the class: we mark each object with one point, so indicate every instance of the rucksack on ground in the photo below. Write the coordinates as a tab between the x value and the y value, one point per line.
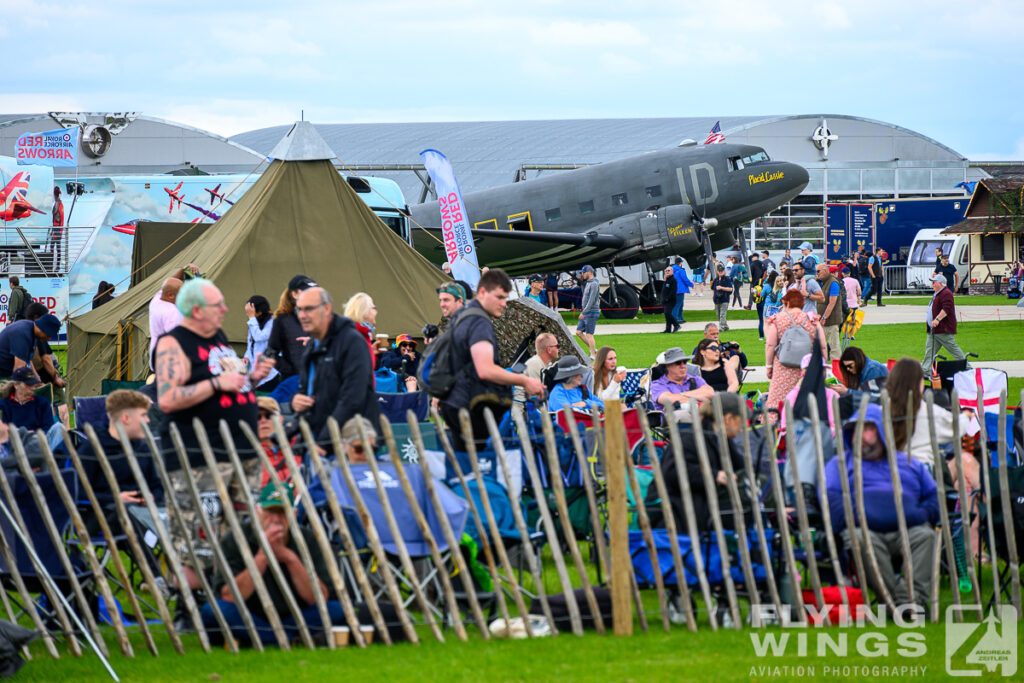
439	368
794	344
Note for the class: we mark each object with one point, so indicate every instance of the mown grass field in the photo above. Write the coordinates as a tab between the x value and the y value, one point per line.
654	656
991	340
735	314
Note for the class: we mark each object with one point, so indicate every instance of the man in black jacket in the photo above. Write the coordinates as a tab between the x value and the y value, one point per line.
336	370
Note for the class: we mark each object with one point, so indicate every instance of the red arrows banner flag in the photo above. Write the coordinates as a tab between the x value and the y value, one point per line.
50	148
458	239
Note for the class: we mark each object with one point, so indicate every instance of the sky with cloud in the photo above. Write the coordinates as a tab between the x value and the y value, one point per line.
949	70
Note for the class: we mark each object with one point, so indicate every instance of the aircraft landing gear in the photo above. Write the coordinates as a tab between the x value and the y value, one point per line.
650	295
621	300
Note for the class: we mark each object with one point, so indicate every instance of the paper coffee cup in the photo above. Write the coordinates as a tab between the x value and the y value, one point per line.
367	632
340	635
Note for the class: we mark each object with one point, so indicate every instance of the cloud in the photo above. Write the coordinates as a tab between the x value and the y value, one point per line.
257	35
108	251
1017	153
577	34
228	117
82	281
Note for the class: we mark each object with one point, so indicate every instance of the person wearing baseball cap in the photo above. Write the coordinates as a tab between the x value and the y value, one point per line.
941	320
21	407
18	341
537	290
276	509
590	309
287	340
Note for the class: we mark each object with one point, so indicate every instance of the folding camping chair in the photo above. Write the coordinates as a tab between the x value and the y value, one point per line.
707	546
48	553
502	495
396	407
456	509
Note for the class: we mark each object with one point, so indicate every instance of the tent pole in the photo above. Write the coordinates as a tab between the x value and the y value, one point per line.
117	364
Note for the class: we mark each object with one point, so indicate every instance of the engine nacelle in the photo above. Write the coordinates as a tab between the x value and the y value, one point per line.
675	223
655	234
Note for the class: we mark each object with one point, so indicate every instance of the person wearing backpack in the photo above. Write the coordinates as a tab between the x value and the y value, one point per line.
471	375
18	301
789	339
833	310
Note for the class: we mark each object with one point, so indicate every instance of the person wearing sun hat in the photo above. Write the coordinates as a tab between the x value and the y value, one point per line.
569	389
275	510
403	359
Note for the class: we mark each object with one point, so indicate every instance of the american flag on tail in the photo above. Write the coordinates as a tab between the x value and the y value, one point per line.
715	136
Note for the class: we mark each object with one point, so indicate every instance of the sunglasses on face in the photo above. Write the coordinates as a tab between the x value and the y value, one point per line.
712	348
357	448
264	415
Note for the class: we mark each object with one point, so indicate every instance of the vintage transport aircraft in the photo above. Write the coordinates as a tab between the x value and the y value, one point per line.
682	201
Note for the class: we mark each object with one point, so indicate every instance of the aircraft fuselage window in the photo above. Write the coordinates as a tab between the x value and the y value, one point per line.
553	214
652	192
754	158
735	164
620	199
587	206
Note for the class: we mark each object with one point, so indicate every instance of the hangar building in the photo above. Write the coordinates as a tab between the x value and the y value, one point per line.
848	158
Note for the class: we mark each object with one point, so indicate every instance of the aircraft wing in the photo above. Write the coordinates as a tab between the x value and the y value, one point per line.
522	253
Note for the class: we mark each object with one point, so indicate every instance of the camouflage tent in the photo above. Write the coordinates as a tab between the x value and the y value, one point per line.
299	217
519	325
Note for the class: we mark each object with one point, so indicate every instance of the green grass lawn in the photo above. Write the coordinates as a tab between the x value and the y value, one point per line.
961	300
657	655
991	340
659	319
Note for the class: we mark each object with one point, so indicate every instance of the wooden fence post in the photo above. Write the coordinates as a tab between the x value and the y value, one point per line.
618	521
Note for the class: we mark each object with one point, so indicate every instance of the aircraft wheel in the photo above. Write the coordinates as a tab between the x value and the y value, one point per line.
650	297
626	307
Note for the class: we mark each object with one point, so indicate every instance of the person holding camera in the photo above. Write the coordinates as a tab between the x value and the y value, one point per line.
403	359
730	350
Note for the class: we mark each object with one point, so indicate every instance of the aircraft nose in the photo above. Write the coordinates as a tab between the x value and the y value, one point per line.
797	177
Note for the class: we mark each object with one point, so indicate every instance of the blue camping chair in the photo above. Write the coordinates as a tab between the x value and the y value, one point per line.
48	553
91	410
708	547
456	509
395	406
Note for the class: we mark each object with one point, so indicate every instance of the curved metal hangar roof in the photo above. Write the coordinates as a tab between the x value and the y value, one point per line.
489	153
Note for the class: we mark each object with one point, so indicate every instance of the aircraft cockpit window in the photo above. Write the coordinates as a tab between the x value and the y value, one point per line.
735	164
587	206
620	199
755	158
652	192
553	214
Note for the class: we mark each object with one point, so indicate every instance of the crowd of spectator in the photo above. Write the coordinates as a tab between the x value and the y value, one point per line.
307	361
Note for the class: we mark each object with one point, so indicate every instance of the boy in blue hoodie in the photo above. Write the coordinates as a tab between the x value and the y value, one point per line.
920	507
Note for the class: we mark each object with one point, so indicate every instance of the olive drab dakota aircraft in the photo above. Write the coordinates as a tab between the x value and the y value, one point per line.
643	209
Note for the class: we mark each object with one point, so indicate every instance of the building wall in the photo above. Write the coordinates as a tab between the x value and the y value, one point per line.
869	160
145	146
983	273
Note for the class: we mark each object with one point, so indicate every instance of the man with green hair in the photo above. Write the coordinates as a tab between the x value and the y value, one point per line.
199	376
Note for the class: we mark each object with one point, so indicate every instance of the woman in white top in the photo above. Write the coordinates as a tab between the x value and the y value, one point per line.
607	377
261	322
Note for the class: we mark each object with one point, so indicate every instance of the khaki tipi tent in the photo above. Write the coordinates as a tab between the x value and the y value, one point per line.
299	217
